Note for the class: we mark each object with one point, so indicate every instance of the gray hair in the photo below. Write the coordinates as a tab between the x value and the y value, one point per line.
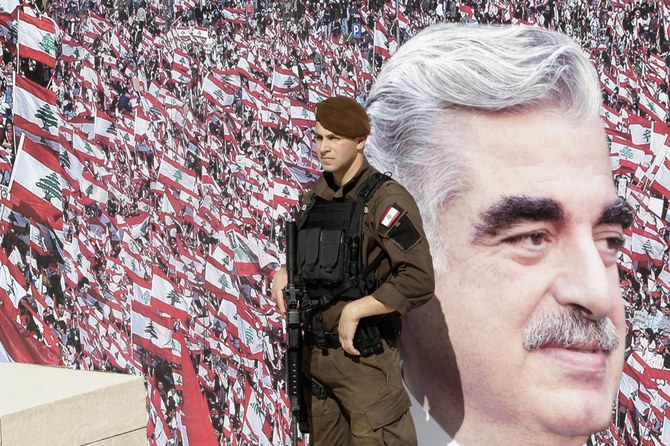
446	70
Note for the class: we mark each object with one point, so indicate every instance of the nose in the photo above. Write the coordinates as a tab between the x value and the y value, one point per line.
584	281
322	147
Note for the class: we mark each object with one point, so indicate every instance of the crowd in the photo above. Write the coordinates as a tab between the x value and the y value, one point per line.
185	143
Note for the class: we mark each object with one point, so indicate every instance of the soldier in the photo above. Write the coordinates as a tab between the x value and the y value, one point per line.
364	261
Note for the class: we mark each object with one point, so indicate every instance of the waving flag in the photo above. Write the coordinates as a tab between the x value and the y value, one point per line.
36	186
37	38
381	40
217	91
284	80
154	333
176	175
35	109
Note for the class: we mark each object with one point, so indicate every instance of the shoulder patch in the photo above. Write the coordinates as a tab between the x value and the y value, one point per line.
390	215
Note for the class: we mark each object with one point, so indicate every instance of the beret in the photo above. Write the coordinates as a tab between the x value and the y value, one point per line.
343	116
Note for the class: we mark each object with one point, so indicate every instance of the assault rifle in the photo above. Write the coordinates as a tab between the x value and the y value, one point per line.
292	297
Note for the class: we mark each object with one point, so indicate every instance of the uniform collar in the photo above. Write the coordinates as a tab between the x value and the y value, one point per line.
326	188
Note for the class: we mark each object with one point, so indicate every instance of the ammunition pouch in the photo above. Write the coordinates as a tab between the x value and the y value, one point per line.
368	339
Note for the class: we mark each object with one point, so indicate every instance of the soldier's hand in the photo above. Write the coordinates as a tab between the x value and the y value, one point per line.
278	284
347	329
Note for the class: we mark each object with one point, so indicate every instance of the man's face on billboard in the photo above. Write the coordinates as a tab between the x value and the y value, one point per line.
533	238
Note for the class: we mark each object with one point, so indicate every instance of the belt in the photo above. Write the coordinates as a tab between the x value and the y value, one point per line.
332	339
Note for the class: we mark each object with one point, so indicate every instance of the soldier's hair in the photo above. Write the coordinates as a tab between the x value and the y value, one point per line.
415	103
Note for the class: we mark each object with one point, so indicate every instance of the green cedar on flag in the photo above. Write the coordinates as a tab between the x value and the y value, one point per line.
301	115
153	332
217	91
174	174
163	297
37	38
35	110
36	185
284	79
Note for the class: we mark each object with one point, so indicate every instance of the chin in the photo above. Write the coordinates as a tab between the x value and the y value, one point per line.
579	418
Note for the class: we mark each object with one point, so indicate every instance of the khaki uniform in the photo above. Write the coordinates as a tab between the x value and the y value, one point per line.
367	403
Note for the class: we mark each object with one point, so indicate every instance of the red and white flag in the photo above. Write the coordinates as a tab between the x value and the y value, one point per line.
217	91
166	298
650	105
153	332
175	174
301	115
37	38
647	247
35	109
105	128
381	40
35	187
640	129
284	79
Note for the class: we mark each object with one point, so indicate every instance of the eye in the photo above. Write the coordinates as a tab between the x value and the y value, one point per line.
532	239
614	243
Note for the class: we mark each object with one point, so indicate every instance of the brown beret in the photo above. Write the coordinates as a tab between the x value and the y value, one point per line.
343	116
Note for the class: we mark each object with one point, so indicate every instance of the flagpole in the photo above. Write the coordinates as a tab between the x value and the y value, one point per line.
18	21
18	153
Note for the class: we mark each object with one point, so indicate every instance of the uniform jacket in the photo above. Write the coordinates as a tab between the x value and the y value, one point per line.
406	273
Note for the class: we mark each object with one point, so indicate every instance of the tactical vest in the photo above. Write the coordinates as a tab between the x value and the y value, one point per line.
329	257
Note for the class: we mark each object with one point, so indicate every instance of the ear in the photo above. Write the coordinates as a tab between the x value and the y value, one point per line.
360	142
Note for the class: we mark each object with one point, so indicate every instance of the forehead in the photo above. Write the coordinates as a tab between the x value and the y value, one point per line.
537	154
321	130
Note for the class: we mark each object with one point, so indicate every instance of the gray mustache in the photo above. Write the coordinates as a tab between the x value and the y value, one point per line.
570	328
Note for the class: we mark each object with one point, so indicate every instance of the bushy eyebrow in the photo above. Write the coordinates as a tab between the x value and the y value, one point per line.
618	212
509	211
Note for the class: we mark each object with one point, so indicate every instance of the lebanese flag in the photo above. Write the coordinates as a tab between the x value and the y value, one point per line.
234	15
284	80
217	91
608	81
37	38
647	246
92	190
629	155
661	183
181	62
35	109
104	128
153	332
19	343
218	280
381	40
651	106
85	150
176	175
35	188
166	298
640	129
301	115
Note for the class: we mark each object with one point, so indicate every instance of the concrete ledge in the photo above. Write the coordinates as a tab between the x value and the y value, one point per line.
58	406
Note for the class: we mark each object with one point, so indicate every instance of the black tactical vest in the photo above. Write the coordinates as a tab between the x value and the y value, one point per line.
329	257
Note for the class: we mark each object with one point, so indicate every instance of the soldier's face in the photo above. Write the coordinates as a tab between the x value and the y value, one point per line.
535	234
336	153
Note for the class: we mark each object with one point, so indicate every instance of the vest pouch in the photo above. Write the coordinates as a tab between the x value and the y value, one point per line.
327	257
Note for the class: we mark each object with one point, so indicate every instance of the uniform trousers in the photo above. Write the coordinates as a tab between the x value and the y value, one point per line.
367	403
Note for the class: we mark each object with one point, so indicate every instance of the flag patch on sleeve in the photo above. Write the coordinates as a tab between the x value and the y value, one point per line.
390	216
